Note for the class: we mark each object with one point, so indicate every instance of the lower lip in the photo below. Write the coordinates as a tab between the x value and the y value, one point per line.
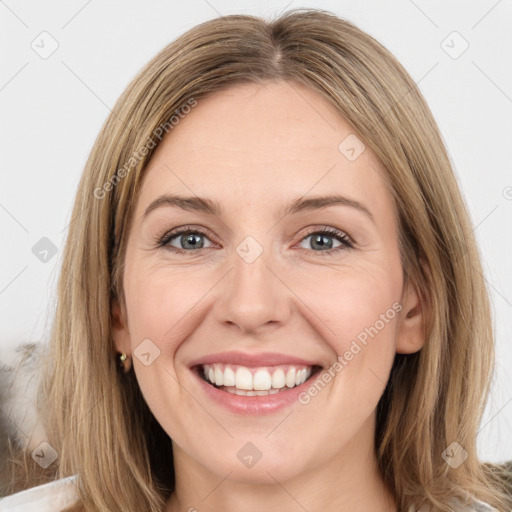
253	405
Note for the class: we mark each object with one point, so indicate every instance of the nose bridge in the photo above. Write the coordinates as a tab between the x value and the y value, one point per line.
252	296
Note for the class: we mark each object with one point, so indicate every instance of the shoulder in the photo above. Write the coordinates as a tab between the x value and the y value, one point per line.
50	497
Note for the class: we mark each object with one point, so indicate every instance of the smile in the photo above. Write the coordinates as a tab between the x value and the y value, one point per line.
260	381
253	384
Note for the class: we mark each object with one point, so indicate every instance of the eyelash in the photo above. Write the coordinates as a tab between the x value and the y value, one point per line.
346	241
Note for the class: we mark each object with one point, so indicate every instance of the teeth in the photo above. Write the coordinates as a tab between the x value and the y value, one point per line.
278	379
243	378
229	377
219	376
301	377
245	381
242	392
262	380
290	378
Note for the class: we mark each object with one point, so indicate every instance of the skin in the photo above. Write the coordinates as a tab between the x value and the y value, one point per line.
254	149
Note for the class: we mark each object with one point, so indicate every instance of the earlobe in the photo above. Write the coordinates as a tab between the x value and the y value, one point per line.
411	326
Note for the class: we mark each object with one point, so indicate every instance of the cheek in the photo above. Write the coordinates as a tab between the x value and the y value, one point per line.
358	315
161	302
359	312
354	302
160	309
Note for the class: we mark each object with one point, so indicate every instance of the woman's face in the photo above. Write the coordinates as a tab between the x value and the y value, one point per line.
256	296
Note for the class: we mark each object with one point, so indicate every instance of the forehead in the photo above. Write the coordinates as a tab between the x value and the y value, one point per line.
260	143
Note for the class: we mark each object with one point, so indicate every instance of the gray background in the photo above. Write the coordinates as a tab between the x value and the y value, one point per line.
52	107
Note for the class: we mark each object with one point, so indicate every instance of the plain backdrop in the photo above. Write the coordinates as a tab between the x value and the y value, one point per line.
64	64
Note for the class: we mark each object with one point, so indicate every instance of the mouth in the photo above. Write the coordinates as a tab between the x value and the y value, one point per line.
261	381
253	384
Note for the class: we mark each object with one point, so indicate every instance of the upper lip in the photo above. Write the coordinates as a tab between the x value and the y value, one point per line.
253	360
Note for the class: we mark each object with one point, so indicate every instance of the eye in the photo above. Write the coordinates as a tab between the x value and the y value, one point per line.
191	239
183	240
321	241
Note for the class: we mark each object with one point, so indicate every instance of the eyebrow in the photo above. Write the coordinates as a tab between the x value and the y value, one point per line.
199	204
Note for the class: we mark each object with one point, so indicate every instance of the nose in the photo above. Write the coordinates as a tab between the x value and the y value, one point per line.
253	297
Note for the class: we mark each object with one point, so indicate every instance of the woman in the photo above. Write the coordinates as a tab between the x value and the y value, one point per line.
269	238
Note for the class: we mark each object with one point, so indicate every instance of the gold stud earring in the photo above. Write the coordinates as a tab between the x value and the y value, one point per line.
122	359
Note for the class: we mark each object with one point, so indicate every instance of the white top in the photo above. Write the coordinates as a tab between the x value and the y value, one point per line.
51	497
458	506
57	495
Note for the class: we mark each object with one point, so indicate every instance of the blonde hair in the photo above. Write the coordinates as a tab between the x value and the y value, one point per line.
96	417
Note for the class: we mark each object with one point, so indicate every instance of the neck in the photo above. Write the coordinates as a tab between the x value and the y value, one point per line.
349	481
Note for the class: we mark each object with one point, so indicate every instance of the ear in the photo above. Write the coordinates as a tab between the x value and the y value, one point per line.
410	336
120	333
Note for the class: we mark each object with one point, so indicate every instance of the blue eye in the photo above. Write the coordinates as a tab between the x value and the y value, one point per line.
192	239
321	240
188	240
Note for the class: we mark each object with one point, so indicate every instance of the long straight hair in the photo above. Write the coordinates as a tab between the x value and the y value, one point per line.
96	417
